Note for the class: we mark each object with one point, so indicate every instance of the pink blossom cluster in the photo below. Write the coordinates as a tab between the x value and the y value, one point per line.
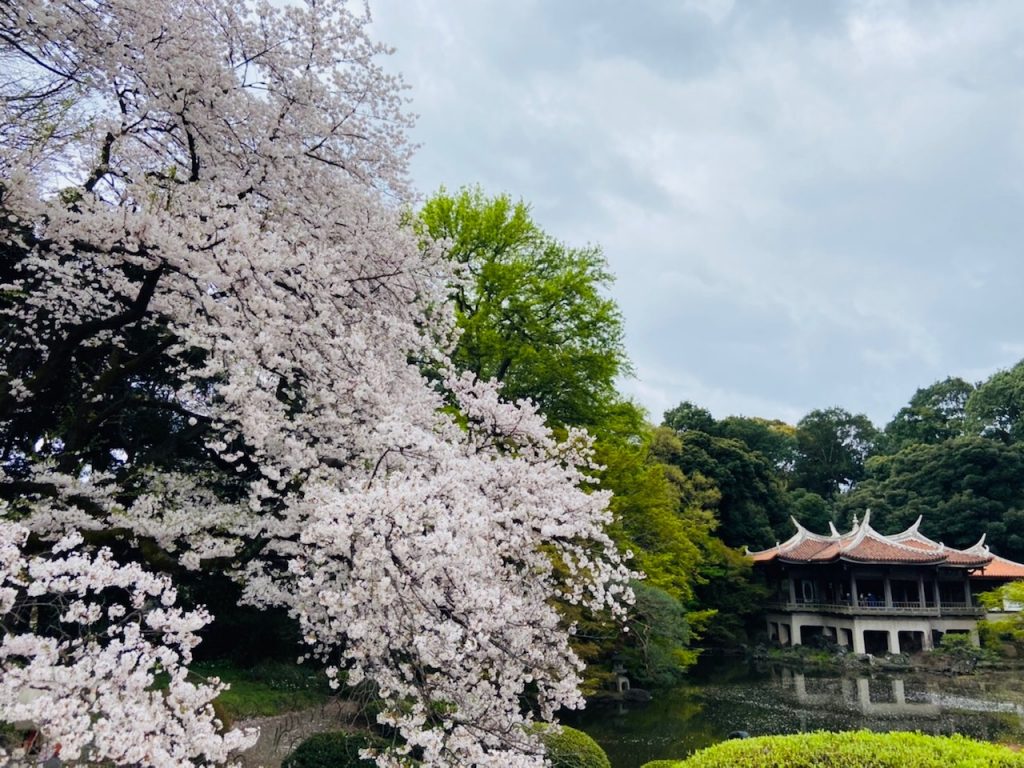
84	641
232	177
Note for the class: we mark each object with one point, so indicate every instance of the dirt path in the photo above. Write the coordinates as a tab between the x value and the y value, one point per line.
280	734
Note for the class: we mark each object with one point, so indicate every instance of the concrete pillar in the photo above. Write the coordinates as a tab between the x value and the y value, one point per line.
863	694
938	602
794	631
888	591
800	686
975	640
967	592
841	637
792	590
926	641
783	633
920	591
893	640
899	694
853	591
858	639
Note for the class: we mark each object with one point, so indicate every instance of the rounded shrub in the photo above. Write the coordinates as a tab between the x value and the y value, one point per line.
857	749
334	749
571	748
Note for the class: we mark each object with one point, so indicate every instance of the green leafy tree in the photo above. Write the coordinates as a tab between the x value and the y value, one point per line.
688	416
810	509
996	408
533	312
934	414
832	446
773	439
660	647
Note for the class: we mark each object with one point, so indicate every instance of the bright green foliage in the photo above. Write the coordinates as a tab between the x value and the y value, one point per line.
665	534
934	414
964	487
996	408
570	748
858	749
999	634
334	749
533	311
832	446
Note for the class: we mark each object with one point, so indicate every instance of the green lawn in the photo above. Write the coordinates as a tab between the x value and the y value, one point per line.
268	688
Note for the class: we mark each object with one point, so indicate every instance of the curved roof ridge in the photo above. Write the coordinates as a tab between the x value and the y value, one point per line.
914	532
867	531
806	534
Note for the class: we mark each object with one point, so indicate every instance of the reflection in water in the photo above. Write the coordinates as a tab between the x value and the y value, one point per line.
773	700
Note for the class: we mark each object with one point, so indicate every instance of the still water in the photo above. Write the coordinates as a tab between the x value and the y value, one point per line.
765	699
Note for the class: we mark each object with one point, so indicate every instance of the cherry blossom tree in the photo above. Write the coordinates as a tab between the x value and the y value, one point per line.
209	315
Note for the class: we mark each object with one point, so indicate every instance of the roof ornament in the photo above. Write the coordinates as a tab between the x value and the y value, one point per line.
832	530
867	518
856	522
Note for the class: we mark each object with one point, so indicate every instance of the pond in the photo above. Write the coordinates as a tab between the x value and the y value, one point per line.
766	699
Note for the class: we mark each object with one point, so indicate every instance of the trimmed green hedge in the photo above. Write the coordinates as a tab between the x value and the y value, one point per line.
858	749
570	748
334	749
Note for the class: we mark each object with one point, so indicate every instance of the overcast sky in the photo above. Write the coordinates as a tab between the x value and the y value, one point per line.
805	204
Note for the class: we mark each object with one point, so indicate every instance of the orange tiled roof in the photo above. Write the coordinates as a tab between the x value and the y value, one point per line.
863	544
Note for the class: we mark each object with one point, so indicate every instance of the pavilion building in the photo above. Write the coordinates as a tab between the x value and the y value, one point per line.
874	593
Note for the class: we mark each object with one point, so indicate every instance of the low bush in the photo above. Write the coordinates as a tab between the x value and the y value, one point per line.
331	750
571	748
858	749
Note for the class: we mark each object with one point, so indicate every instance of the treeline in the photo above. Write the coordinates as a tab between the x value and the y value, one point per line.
953	454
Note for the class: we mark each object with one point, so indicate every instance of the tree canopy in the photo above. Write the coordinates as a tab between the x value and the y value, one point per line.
934	414
832	446
533	312
996	408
